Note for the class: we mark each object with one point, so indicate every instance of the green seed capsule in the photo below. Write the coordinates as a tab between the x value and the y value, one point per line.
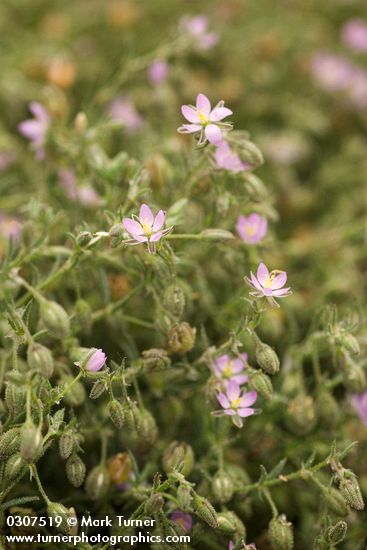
75	470
205	511
97	483
55	510
337	532
281	533
178	455
116	412
14	466
40	360
335	502
55	318
31	441
181	338
222	487
261	383
98	388
66	444
9	443
266	358
349	488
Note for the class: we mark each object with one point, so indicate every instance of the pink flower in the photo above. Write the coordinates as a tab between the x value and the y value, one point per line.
252	229
36	129
359	402
10	228
332	72
236	404
354	34
158	71
183	520
85	194
122	110
96	360
268	284
197	29
146	228
228	369
205	120
227	159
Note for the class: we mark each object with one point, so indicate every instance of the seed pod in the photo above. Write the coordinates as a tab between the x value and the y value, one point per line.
119	468
66	444
222	487
266	358
98	388
55	318
335	502
155	359
84	238
174	300
75	470
205	511
349	488
55	509
328	410
132	415
354	377
261	383
337	532
14	466
116	412
82	320
281	533
181	338
76	395
153	504
97	483
15	398
230	524
40	360
178	454
31	441
301	414
184	498
350	343
9	443
147	430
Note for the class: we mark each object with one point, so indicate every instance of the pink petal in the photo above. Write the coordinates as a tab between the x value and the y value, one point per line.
240	378
238	365
255	282
233	390
262	273
231	412
159	220
39	111
222	398
279	280
189	128
31	129
222	361
132	227
203	104
189	113
146	215
154	238
267	291
219	113
245	412
248	399
281	292
213	134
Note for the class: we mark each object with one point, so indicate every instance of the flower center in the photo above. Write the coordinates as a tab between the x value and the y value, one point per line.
235	403
270	279
203	117
227	371
250	230
147	229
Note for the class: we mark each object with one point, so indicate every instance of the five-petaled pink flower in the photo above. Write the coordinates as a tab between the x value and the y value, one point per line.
197	28
205	120
252	229
182	519
354	34
227	369
269	284
236	404
146	228
226	159
36	129
158	71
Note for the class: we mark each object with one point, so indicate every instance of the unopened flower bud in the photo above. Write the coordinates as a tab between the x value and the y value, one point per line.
349	488
81	122
97	483
301	414
335	502
30	441
158	169
261	383
54	510
354	377
14	466
222	487
205	511
154	504
174	300
156	359
184	497
117	230
350	343
84	238
40	359
116	412
178	455
9	443
230	524
119	468
92	360
337	532
281	533
98	388
75	470
181	338
66	444
55	318
266	358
